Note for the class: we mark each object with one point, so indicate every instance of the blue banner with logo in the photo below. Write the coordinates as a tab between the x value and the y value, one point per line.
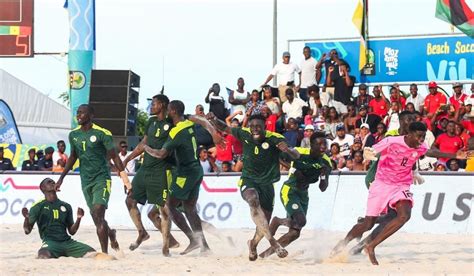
81	54
8	130
410	59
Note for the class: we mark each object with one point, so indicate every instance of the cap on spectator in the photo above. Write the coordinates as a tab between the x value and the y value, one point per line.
365	125
363	107
340	127
432	84
286	54
457	84
363	86
309	127
49	150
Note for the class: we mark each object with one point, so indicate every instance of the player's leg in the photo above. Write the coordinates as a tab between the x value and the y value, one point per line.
135	215
76	249
403	209
195	221
178	218
165	230
44	253
154	216
356	231
102	228
211	229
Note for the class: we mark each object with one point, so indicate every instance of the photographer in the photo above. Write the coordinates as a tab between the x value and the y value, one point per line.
217	104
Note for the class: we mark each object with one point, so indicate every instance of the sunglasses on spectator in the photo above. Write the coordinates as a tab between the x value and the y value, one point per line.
124	146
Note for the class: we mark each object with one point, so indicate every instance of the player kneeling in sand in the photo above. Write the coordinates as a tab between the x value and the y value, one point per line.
313	165
391	187
53	217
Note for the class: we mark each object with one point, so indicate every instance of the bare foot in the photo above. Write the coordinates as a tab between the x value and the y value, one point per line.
252	251
173	242
267	253
166	252
338	248
142	236
113	240
281	252
357	249
192	246
371	253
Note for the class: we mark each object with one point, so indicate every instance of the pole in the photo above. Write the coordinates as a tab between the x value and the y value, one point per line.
274	37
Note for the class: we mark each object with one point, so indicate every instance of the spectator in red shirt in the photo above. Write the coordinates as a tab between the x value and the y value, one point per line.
435	99
462	133
469	123
396	97
224	153
378	105
458	98
271	119
448	142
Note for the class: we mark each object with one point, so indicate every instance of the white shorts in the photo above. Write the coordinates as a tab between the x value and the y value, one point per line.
340	107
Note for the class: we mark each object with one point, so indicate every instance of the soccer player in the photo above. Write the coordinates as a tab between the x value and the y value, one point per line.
261	170
150	183
53	217
93	146
391	187
313	165
187	180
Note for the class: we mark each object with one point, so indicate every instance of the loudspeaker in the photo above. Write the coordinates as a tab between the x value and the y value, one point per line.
115	101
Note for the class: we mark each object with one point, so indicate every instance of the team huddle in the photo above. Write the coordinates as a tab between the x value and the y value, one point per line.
171	175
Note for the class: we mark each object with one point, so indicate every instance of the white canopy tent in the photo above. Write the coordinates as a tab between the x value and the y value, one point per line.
40	120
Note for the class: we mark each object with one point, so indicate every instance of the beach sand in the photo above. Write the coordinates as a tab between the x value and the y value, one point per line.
401	254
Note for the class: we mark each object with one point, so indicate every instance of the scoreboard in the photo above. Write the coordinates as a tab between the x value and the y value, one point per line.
16	28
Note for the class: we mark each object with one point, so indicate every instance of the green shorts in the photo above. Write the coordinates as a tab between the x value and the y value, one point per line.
294	199
266	192
70	248
97	192
186	186
152	186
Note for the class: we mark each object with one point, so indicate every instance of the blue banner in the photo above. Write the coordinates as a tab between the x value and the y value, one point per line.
411	59
81	54
8	130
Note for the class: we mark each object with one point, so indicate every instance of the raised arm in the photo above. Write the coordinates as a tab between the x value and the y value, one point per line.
283	147
73	228
229	118
27	227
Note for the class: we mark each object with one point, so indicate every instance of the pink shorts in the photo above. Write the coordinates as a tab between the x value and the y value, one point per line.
382	196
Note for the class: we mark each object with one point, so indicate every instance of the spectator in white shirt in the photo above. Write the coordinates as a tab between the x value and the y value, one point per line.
238	99
123	153
307	74
345	141
285	73
416	99
293	108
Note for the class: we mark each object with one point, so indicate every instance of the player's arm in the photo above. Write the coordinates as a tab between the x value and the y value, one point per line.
325	172
217	124
292	153
111	154
137	151
436	153
74	227
27	226
202	121
69	164
157	153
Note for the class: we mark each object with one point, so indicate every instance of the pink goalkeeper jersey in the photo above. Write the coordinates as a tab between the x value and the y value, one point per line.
396	160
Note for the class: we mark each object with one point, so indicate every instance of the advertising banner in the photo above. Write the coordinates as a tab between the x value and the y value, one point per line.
8	129
409	59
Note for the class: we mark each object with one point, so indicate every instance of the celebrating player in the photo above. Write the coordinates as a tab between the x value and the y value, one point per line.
53	217
391	187
313	165
93	146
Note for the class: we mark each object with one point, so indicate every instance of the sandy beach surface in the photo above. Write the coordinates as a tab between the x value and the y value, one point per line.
401	254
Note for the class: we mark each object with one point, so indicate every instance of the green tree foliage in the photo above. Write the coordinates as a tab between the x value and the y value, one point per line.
142	118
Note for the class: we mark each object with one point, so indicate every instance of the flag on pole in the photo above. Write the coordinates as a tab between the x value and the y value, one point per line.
360	21
457	13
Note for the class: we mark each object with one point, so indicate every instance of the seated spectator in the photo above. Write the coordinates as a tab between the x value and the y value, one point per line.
315	103
292	135
366	138
368	118
5	163
207	164
458	98
439	127
357	146
426	163
466	111
380	134
255	105
226	166
350	120
46	163
319	122
233	117
363	98
285	73
239	98
39	154
217	104
416	99
271	119
468	122
453	165
462	133
336	156
440	167
203	137
434	99
224	153
392	119
470	146
273	103
379	104
308	131
344	140
332	122
59	154
448	142
395	97
358	161
293	108
410	107
31	164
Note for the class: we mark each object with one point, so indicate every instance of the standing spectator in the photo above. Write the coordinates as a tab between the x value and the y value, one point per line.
367	139
46	163
239	98
343	84
367	118
395	96
332	122
31	164
292	135
273	103
285	73
416	99
254	106
123	153
217	104
270	119
448	142
363	98
344	141
224	153
392	120
379	104
293	108
308	131
307	74
458	98
60	153
434	100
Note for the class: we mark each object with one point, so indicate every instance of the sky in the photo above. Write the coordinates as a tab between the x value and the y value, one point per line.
188	45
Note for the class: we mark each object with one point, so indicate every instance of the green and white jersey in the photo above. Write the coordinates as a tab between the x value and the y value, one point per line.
157	133
53	218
